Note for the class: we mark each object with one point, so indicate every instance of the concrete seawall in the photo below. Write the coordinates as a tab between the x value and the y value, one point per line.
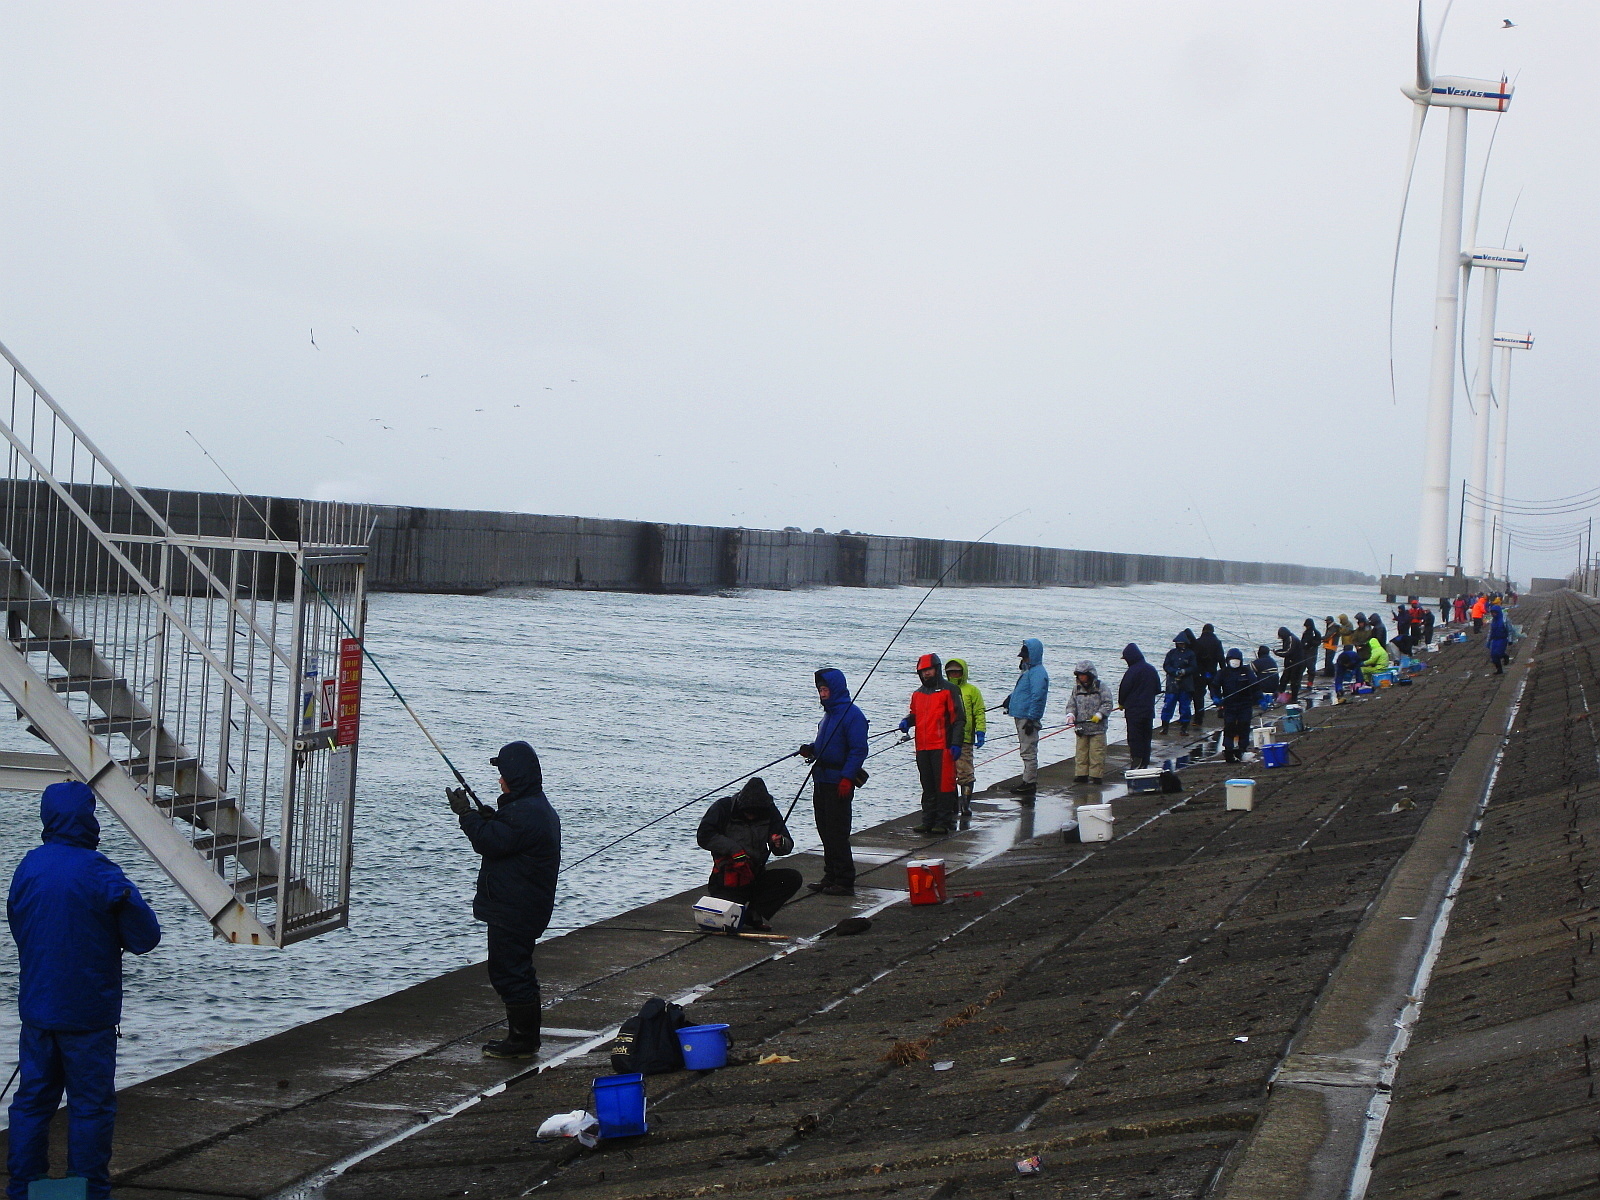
458	550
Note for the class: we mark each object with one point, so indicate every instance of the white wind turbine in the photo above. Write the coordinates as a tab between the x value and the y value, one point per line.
1475	538
1460	96
1506	342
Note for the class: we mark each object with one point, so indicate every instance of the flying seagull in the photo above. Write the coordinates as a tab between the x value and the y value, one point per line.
314	339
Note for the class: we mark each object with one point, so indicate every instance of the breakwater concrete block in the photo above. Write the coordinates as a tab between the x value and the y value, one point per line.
468	551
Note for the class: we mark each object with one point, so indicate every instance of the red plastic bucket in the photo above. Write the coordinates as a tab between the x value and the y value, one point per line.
925	878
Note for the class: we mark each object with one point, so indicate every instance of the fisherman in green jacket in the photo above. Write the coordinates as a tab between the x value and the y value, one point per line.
955	671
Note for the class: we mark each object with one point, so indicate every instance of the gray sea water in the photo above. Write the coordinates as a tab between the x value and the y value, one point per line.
635	704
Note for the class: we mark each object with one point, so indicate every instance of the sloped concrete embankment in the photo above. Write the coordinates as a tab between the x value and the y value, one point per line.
1118	1010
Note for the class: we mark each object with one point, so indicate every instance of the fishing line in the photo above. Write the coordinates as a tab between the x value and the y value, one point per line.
856	696
377	666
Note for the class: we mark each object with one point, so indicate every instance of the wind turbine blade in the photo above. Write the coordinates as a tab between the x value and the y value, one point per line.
1424	73
1419	118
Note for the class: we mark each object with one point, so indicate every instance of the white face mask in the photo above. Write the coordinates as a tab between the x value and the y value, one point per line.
1236	662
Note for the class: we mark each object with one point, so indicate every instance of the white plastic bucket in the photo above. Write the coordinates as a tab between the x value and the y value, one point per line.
1262	734
1095	822
1241	795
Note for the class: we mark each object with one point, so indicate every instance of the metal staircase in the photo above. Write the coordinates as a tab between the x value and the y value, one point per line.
200	670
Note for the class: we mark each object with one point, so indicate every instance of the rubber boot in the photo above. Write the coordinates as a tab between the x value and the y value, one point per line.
966	805
1026	793
1164	726
522	1034
1183	729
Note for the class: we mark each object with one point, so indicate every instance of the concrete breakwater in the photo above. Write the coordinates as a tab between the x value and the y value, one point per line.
465	551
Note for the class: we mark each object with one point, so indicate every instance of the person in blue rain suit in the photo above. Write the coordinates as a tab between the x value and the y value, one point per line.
1499	638
835	757
1180	666
73	913
1025	705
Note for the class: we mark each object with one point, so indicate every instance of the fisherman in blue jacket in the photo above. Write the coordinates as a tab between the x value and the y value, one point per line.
1136	696
1025	705
72	912
1181	666
835	757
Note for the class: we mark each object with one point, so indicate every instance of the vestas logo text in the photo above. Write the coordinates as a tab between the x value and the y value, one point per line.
1471	94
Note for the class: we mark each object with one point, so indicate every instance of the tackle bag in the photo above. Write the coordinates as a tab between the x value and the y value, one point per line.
647	1043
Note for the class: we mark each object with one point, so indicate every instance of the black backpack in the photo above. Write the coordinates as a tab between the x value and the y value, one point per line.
647	1044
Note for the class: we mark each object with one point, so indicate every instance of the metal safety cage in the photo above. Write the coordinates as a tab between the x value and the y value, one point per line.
196	662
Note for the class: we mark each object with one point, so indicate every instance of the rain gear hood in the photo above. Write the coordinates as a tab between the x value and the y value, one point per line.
971	699
1032	689
841	744
1140	684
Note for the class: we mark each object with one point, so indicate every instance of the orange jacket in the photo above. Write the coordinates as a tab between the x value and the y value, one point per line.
1480	606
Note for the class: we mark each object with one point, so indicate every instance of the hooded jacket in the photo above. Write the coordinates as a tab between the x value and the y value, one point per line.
1266	671
1180	663
73	912
1240	688
1140	684
1032	689
1289	648
971	700
1084	704
745	823
521	848
841	743
1378	628
1377	658
1208	651
1347	631
1499	633
938	712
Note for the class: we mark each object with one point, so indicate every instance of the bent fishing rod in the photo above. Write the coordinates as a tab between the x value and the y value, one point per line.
366	653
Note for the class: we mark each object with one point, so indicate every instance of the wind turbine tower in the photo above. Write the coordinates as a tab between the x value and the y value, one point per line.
1505	343
1475	538
1460	96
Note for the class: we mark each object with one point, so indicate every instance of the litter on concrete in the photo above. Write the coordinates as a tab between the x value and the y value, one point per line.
577	1123
944	1065
767	1060
1031	1165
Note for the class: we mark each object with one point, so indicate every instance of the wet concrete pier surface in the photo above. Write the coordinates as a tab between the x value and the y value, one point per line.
1496	1095
1118	1010
1194	1008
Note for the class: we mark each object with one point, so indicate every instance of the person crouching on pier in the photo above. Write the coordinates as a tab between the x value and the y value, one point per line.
1241	691
72	912
1088	708
835	757
1377	659
742	832
520	842
939	715
1346	670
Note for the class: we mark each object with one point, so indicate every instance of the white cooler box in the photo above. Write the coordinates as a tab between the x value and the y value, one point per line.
1141	779
1095	822
717	916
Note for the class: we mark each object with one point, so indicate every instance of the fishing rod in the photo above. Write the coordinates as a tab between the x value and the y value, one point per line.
943	575
339	616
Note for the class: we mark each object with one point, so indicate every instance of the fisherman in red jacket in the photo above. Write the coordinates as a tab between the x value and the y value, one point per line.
940	719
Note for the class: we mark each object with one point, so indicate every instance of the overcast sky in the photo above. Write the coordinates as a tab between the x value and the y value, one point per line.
896	267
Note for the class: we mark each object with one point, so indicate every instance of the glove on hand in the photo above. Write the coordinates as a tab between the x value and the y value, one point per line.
1097	718
977	739
1030	727
737	871
955	751
905	725
808	752
460	804
847	788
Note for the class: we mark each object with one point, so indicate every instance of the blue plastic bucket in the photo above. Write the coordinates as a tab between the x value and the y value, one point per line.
705	1047
1275	754
1294	721
619	1105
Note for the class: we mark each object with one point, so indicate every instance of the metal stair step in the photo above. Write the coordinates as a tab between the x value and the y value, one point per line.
26	644
191	806
27	604
262	887
119	724
139	767
85	683
214	846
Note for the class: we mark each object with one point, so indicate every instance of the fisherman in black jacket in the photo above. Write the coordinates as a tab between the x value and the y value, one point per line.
742	832
521	847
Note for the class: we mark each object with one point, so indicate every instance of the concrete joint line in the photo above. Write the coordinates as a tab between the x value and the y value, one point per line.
1321	1121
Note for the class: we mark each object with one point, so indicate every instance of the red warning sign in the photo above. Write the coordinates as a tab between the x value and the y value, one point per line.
349	715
